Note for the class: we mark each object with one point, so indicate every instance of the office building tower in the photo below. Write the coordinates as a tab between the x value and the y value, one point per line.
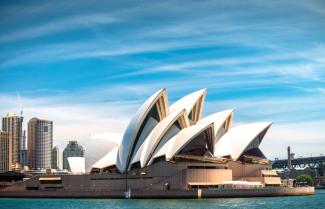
5	152
40	142
73	149
55	158
12	124
23	151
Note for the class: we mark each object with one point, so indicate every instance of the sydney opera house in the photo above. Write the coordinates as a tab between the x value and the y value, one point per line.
171	151
174	146
171	148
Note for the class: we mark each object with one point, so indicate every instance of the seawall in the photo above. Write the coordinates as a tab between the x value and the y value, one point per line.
200	193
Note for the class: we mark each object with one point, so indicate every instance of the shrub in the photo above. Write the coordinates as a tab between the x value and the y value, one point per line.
305	180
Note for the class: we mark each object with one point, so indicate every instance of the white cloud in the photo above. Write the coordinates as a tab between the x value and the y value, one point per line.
305	139
59	25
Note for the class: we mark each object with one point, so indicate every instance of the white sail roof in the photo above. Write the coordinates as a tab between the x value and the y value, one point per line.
108	160
151	133
115	138
77	165
158	132
163	150
218	120
136	157
178	142
129	139
188	103
235	141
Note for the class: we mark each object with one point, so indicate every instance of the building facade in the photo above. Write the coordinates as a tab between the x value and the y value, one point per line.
55	158
23	151
12	124
73	149
40	142
5	152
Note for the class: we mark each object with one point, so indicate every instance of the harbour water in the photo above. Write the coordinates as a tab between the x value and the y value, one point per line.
316	201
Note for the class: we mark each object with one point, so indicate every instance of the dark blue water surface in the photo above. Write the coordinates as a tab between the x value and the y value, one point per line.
309	202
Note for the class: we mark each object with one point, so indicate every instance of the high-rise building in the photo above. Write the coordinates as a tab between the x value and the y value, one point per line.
5	152
40	142
23	151
55	158
12	124
24	158
73	149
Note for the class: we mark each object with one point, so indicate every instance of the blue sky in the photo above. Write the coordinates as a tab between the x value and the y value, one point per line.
88	65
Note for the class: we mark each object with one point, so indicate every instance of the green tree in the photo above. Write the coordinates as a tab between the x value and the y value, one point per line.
305	180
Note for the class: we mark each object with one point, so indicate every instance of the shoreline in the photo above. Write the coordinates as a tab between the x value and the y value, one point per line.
171	194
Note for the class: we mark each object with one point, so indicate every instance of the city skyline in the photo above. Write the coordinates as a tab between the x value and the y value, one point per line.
40	154
89	70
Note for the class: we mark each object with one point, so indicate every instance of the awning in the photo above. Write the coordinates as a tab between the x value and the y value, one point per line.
50	178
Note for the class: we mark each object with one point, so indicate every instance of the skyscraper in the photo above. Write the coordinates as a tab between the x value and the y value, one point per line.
55	158
73	149
40	142
23	151
12	124
5	152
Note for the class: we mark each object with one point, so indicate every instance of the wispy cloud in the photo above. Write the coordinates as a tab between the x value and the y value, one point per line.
89	65
232	26
60	25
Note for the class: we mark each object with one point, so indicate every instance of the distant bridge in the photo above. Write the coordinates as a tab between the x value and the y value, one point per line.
311	162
